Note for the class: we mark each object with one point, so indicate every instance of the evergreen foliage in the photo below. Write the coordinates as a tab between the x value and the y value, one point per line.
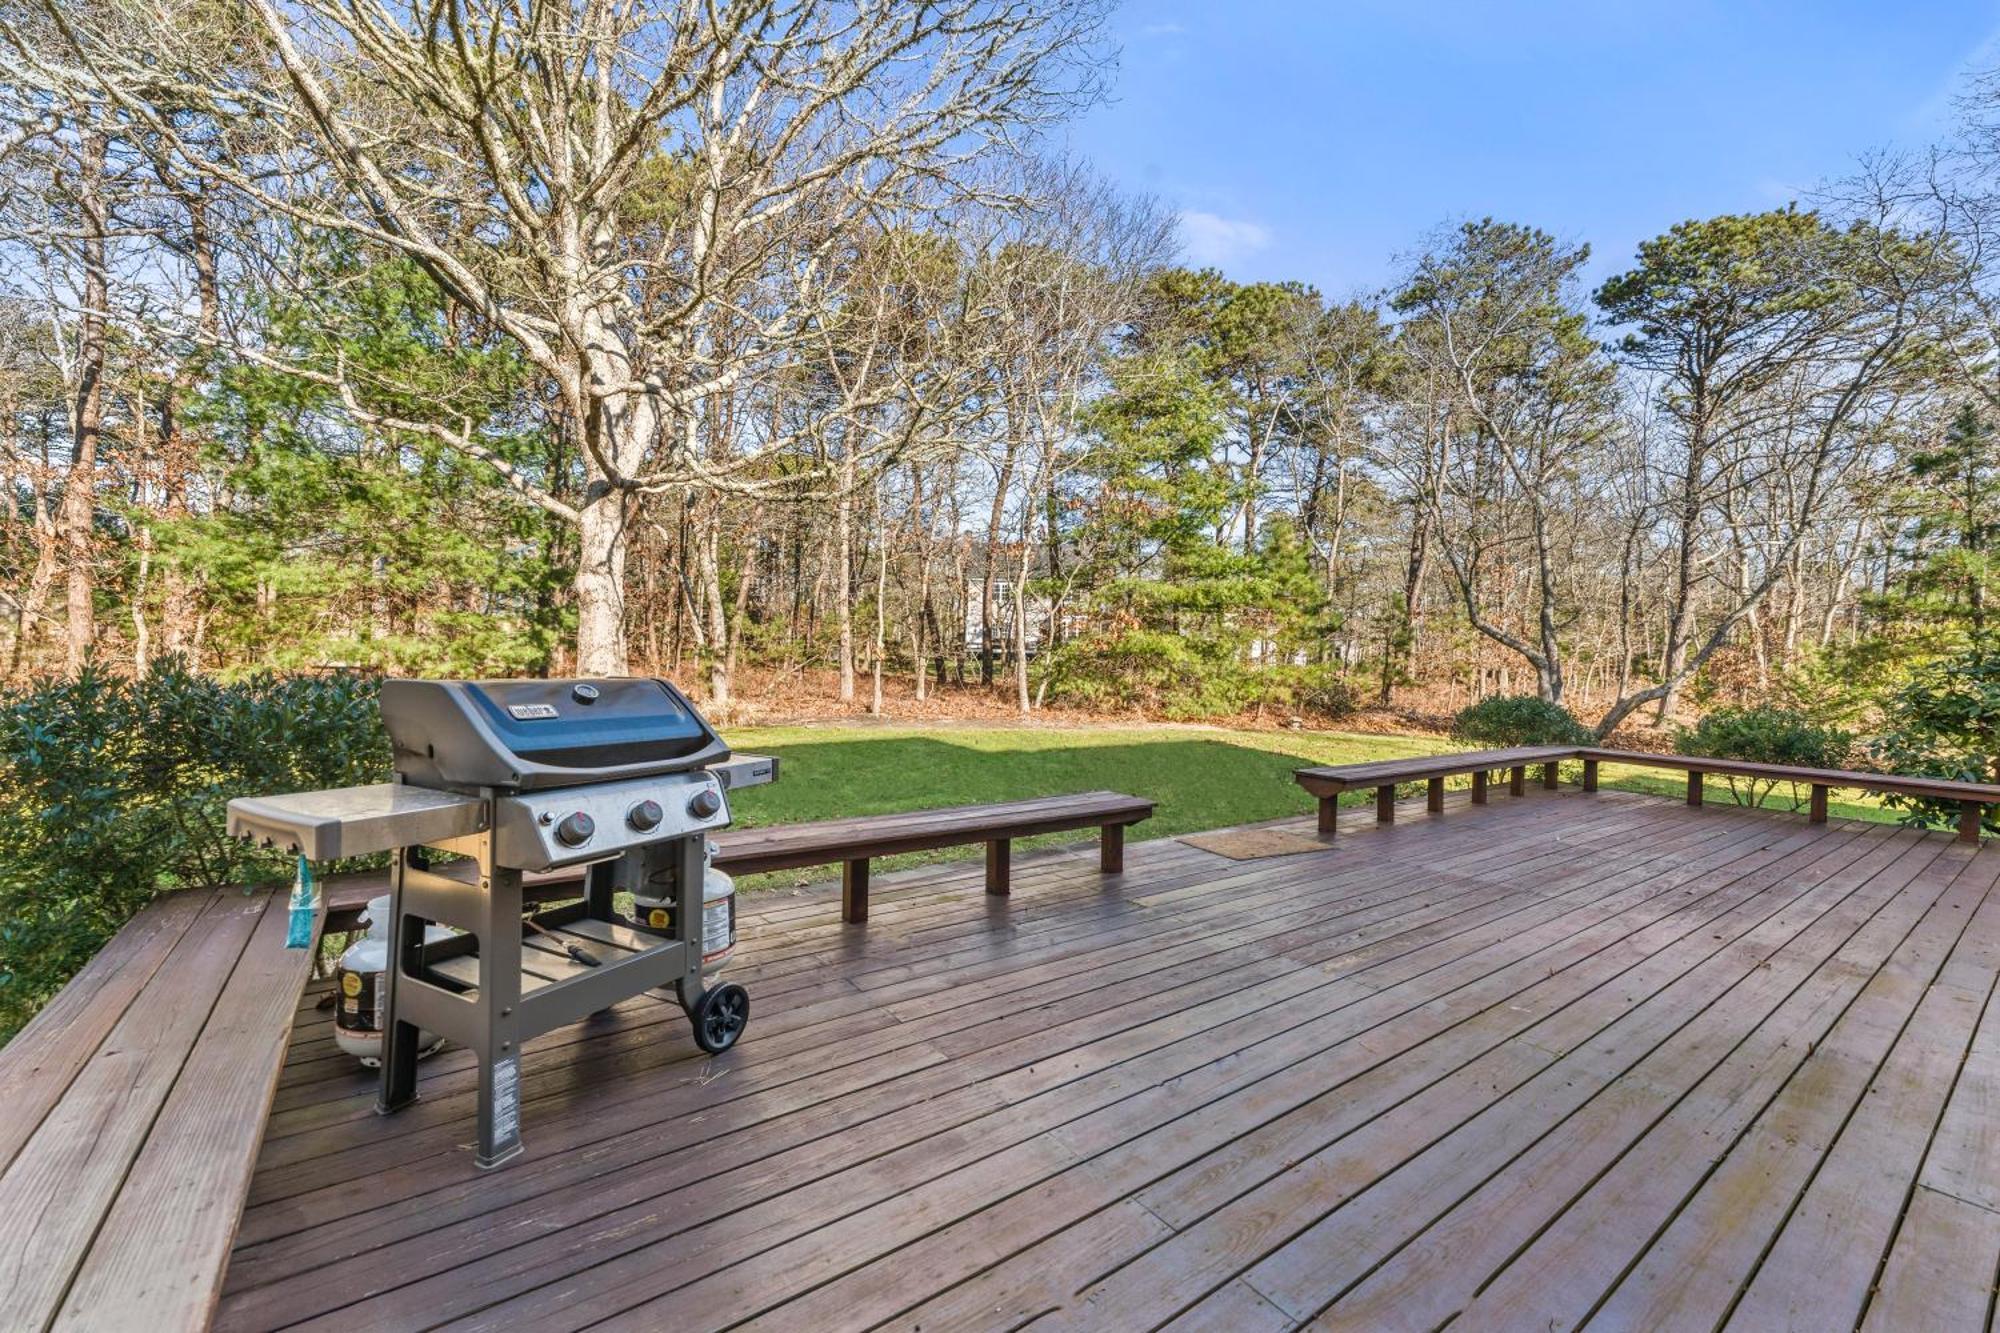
363	548
1944	722
117	792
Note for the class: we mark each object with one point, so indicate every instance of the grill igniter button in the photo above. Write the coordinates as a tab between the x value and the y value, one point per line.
704	803
645	816
576	830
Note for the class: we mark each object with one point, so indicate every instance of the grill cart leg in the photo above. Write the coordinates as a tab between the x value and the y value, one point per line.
499	1000
488	1019
399	1042
600	882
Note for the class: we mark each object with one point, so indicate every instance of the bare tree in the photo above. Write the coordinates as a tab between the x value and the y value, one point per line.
1780	343
499	146
1492	317
1061	281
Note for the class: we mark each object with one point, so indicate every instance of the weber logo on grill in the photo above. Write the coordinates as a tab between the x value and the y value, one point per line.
531	712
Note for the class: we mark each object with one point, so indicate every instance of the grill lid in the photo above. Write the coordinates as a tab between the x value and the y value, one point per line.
526	735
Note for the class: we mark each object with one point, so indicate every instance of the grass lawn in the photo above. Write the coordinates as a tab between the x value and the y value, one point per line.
1202	777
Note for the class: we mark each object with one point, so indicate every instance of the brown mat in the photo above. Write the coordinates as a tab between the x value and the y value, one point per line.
1255	844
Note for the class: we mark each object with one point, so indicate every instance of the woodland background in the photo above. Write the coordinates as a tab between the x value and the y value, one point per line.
770	350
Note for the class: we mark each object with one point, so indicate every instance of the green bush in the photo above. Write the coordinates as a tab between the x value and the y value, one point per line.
1766	734
1518	719
117	791
1944	722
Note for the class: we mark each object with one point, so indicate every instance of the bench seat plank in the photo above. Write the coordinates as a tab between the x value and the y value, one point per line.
1945	789
1336	778
827	842
67	1176
157	1261
755	850
37	1066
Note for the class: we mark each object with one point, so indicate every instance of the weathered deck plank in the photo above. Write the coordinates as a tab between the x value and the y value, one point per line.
1497	1067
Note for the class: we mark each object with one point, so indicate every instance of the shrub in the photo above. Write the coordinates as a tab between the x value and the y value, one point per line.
1518	719
1944	722
1766	734
117	792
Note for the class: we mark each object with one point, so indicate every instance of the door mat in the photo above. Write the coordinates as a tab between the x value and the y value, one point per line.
1255	844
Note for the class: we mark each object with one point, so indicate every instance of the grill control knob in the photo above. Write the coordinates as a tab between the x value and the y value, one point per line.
576	830
645	816
704	803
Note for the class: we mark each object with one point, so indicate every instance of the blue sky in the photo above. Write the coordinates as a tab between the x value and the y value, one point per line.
1318	141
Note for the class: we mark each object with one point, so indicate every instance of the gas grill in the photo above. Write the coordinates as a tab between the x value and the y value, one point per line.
623	777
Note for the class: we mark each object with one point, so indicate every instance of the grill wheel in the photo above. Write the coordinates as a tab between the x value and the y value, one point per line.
720	1017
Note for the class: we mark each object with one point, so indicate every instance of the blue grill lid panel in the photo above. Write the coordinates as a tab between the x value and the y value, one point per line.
528	734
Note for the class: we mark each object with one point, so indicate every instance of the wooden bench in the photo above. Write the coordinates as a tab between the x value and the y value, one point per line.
134	1106
1327	783
1972	798
854	842
849	843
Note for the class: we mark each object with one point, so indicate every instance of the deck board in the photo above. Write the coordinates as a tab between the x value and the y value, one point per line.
1560	1057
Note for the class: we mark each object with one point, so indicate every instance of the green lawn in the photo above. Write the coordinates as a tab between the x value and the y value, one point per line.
1202	777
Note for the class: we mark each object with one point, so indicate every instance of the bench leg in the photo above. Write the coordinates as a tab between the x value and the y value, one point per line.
1590	775
1694	786
1818	803
1111	849
1550	777
1329	815
1385	804
1434	798
1517	780
1479	787
854	890
999	859
1970	813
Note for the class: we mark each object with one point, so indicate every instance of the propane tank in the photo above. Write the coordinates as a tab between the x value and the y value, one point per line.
718	917
718	914
357	1018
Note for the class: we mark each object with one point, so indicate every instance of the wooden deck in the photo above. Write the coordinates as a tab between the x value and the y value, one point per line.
1561	1059
130	1108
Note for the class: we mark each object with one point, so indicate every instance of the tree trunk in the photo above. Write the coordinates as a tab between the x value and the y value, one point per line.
178	453
844	591
1002	484
1680	617
31	610
1415	569
602	522
715	635
79	506
881	620
1021	636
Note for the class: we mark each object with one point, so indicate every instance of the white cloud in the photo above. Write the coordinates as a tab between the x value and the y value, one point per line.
1219	241
1163	30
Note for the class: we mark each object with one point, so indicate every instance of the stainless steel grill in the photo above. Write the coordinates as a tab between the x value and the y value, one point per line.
622	776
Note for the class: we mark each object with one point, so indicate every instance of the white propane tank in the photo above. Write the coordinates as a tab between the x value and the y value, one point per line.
357	1017
718	915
